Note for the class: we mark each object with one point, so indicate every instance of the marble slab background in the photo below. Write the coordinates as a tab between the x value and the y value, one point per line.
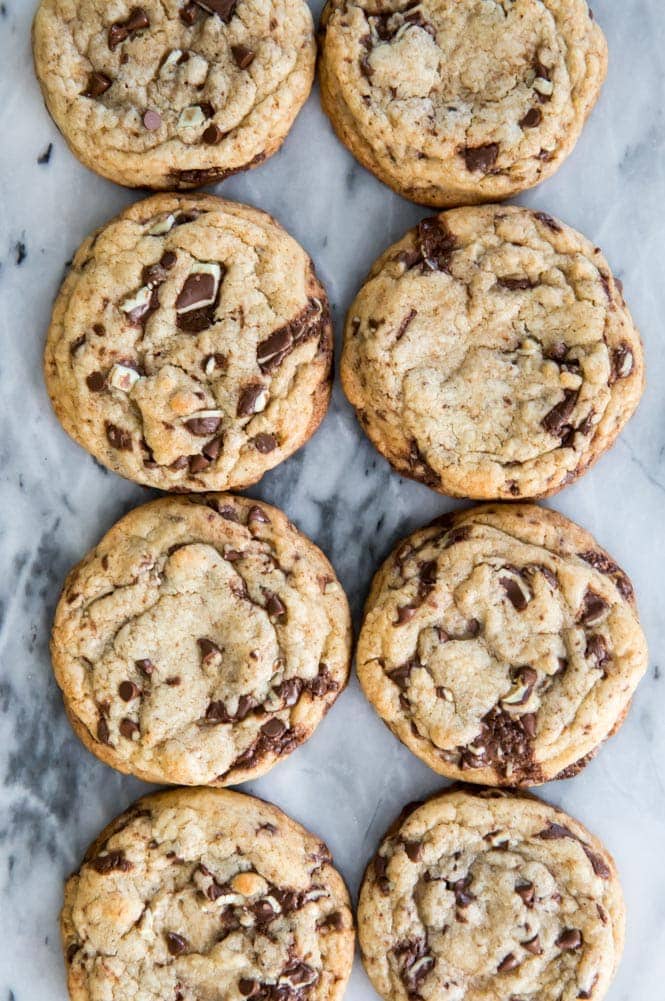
353	777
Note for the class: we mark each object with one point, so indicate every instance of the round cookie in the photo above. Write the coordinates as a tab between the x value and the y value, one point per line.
190	346
489	896
201	641
172	93
460	101
490	354
204	893
501	645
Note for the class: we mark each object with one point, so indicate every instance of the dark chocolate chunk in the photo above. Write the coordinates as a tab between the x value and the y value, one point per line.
103	733
98	84
243	56
96	382
176	944
556	420
508	963
569	939
549	221
264	443
555	832
592	609
480	159
514	284
137	21
533	118
248	399
203	427
110	862
224	9
435	243
128	728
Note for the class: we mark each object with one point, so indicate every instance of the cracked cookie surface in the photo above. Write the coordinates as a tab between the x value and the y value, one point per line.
171	93
501	645
490	354
201	641
204	893
460	101
490	897
190	346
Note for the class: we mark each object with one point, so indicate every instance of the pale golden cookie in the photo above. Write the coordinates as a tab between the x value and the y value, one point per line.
490	354
460	101
502	645
190	346
172	93
201	641
206	894
490	896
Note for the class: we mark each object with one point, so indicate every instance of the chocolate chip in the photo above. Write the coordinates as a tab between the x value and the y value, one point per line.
508	963
331	922
176	944
252	394
596	649
137	21
435	243
460	887
222	8
264	443
515	593
127	691
96	382
414	850
273	729
526	892
533	946
258	515
156	274
212	362
103	733
514	284
405	324
248	987
404	614
622	363
555	832
188	14
217	713
203	427
528	723
380	869
548	221
152	120
128	728
145	666
212	135
208	648
569	939
598	863
118	437
401	675
111	862
480	159
275	607
533	117
199	288
243	56
98	84
271	352
592	609
556	420
174	681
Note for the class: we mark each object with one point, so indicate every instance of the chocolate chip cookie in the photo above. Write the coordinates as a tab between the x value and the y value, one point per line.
172	93
201	641
490	354
460	101
204	893
490	896
502	645
190	346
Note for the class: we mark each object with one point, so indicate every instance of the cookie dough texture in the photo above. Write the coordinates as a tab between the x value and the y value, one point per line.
190	346
173	94
490	354
206	894
201	641
490	897
460	101
501	645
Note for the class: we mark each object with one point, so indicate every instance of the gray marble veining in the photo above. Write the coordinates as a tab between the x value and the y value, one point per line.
353	777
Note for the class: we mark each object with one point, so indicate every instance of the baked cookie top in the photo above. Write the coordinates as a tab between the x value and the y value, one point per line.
171	93
490	354
202	640
190	346
501	645
487	896
204	893
460	101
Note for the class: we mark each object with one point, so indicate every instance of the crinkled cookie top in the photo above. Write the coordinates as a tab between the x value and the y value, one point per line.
453	101
174	93
490	354
201	641
209	894
190	346
487	897
502	645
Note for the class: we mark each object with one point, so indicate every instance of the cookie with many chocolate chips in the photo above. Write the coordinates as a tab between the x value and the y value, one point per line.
172	93
201	641
460	101
490	896
502	645
204	893
490	354
190	346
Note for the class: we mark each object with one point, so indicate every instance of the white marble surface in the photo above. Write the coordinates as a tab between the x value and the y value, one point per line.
353	777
